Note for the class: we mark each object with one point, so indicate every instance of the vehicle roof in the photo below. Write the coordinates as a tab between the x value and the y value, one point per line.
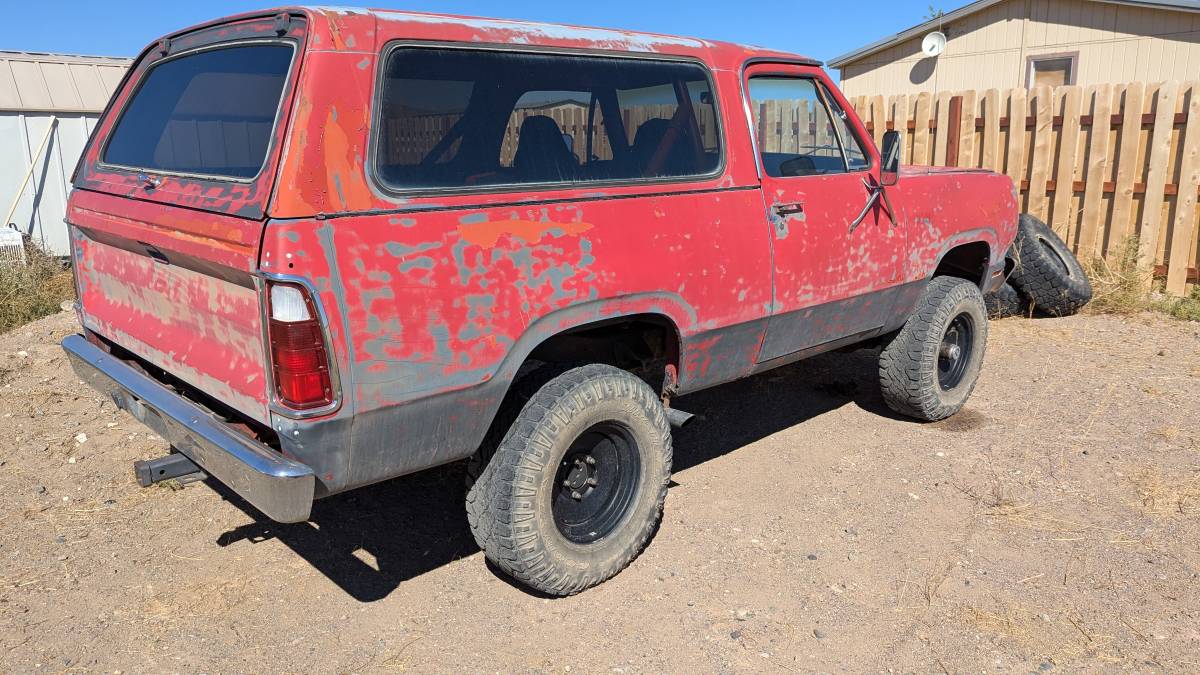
422	25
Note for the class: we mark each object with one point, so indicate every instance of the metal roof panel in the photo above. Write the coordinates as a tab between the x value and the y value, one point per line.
58	82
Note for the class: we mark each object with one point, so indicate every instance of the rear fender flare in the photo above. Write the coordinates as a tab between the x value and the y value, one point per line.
669	306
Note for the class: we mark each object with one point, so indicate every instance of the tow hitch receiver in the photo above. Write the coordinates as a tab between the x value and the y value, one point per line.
174	465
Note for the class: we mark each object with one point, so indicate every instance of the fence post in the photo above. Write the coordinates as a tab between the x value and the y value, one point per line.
954	133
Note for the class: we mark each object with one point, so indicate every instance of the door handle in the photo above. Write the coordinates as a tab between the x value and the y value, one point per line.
788	209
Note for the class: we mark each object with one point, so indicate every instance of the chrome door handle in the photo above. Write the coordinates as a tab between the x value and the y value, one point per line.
788	209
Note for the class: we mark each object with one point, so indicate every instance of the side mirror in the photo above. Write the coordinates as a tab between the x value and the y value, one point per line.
889	158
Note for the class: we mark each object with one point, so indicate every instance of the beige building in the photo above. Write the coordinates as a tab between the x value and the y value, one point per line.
1019	43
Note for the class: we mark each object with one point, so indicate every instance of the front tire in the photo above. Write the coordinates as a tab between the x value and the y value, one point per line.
930	367
576	487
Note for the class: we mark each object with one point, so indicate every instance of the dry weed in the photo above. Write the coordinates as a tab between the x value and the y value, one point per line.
1163	495
34	290
1120	287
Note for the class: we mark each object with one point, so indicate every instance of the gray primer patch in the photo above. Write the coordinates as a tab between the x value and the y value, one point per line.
424	262
473	218
399	250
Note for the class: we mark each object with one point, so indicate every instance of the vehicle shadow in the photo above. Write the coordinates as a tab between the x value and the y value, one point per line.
371	540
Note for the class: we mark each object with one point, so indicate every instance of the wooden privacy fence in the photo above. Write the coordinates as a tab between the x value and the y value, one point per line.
1101	164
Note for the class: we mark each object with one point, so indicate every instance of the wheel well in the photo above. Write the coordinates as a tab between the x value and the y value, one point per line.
967	261
643	344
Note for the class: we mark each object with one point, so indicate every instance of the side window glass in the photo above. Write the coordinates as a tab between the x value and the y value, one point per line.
433	109
796	136
452	118
856	157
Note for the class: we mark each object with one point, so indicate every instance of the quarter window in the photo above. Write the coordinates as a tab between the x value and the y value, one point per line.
797	133
455	118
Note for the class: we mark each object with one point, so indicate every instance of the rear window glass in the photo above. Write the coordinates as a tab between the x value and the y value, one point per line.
454	118
208	113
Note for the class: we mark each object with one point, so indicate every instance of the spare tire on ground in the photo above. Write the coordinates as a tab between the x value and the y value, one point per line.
1046	271
1005	301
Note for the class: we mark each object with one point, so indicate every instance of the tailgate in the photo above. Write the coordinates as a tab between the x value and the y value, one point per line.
170	198
175	287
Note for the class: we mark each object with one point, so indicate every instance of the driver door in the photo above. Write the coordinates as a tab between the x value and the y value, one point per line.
834	273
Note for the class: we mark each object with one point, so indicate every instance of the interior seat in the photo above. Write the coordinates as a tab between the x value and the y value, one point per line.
646	140
542	154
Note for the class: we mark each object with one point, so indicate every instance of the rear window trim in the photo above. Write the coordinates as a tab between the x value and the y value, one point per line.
141	81
399	194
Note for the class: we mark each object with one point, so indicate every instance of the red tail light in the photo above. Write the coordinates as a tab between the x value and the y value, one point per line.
299	361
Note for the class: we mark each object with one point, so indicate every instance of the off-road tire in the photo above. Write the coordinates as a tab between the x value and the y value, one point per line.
527	383
909	373
509	505
1005	301
1046	271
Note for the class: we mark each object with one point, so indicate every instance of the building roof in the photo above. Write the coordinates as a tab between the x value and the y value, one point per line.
36	82
932	24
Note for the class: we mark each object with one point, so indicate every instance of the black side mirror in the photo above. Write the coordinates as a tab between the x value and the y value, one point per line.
889	168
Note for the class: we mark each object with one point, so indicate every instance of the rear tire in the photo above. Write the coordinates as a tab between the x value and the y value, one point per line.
577	485
930	367
1046	271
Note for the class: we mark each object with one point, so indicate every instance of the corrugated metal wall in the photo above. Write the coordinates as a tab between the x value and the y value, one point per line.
990	48
42	204
37	91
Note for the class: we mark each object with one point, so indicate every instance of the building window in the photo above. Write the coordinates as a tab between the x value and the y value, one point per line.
1053	70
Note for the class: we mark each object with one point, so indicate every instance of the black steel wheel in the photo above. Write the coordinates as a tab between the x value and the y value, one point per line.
596	483
574	491
954	354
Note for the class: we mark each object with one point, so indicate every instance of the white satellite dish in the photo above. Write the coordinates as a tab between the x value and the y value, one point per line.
934	43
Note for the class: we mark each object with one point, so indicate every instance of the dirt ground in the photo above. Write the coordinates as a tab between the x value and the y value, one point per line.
1052	525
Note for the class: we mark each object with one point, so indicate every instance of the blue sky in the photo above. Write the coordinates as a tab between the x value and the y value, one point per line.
821	30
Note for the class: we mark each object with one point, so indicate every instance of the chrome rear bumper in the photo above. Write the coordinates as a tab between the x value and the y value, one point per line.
279	487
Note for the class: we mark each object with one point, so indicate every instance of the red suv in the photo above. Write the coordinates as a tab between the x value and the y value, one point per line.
320	248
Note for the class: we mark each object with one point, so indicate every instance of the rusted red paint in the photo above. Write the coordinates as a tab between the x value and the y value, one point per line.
425	295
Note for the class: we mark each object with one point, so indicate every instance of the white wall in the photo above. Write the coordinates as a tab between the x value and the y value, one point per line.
42	204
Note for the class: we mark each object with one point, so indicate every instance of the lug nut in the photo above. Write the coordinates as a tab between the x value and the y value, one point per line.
591	460
576	496
591	482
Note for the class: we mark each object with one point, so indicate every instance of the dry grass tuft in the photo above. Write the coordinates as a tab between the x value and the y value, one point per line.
1007	620
1119	287
1163	495
34	290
